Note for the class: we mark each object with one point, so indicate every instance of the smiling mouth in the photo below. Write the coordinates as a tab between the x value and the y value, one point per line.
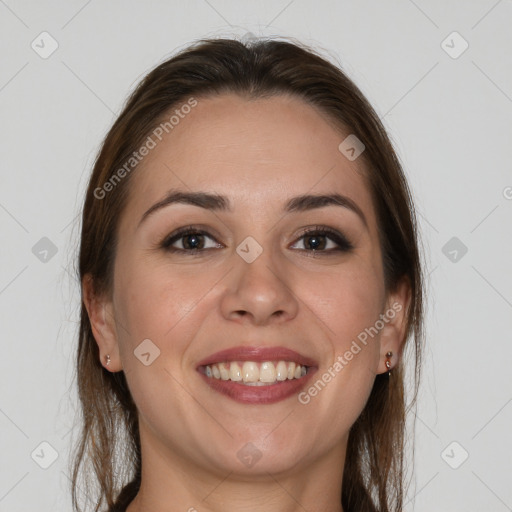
257	375
252	373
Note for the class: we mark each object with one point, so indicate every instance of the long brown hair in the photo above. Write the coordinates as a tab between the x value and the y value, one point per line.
374	474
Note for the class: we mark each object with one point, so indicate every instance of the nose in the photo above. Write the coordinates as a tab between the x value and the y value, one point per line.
258	293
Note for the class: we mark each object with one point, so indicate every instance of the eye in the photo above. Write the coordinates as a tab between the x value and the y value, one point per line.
189	239
323	239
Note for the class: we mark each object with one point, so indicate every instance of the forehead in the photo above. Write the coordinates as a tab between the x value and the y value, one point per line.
257	152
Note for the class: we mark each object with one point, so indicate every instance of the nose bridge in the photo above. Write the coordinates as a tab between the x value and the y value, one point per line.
258	287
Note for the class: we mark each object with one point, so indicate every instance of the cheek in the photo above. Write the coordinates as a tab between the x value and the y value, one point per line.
164	304
157	304
347	308
153	300
347	303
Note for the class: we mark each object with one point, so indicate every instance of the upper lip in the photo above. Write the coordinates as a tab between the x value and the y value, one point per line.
257	354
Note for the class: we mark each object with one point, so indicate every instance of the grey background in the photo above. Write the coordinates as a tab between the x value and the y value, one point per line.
450	119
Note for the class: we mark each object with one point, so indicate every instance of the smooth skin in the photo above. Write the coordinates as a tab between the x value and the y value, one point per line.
259	154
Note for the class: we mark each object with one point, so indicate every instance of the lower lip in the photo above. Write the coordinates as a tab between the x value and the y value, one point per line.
259	394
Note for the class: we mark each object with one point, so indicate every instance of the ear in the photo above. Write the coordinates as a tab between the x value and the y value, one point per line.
101	316
395	322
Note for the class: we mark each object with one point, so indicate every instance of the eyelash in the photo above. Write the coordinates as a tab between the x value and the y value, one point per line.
343	244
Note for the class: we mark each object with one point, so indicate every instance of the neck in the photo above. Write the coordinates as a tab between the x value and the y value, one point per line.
171	483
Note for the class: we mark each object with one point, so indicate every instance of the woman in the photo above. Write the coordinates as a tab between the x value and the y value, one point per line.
251	275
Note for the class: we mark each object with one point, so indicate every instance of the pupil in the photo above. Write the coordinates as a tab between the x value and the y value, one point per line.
315	241
192	241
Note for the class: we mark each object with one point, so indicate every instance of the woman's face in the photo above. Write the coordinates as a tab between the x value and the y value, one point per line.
246	276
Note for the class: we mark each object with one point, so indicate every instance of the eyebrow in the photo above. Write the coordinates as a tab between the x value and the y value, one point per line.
215	202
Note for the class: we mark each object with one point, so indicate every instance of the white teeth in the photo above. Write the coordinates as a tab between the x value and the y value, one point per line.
224	372
282	370
267	372
251	373
235	373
